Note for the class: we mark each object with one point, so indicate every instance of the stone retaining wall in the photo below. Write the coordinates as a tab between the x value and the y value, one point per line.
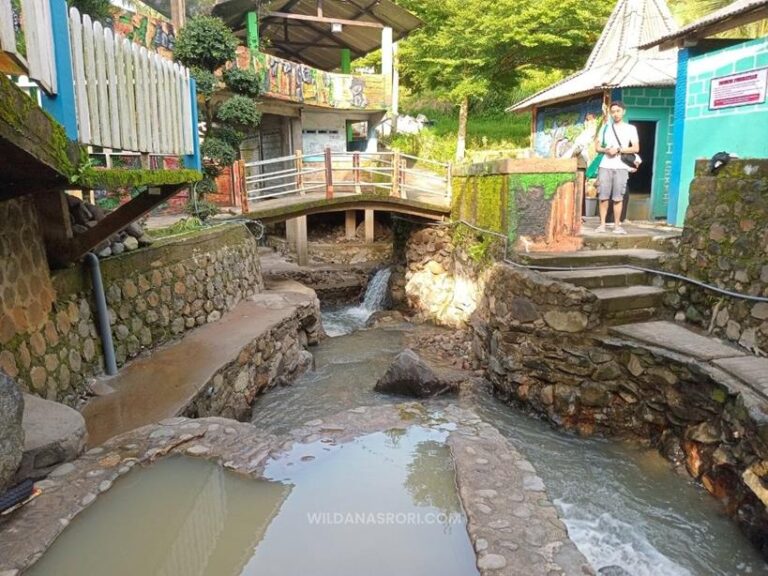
275	358
724	244
435	279
535	338
50	343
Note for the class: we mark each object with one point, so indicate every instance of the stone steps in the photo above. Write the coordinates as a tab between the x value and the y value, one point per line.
605	278
623	298
639	257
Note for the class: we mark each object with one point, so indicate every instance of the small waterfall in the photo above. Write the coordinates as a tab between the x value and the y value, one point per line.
351	318
376	293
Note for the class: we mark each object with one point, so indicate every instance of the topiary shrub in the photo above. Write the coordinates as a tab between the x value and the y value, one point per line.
206	45
205	42
239	111
241	81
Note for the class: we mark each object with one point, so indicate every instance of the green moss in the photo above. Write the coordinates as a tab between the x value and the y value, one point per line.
48	139
550	182
119	178
481	248
489	212
719	395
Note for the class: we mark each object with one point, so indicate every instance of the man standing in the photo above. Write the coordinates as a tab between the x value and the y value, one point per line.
613	140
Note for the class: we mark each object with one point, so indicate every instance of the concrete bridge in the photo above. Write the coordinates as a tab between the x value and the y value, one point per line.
290	188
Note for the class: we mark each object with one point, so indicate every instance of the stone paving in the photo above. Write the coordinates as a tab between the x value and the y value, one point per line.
512	524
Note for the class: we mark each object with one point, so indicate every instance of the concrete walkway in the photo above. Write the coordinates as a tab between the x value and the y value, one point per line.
162	384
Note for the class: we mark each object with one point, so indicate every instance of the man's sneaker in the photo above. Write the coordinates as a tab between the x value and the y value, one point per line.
619	230
600	228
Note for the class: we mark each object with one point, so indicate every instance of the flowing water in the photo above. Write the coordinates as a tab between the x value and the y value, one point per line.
623	505
346	319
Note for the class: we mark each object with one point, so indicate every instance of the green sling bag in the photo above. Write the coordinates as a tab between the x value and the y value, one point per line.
595	164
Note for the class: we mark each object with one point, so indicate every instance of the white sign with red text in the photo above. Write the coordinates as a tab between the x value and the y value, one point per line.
740	89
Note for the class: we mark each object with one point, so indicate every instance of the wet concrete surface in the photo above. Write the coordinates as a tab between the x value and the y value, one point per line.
162	384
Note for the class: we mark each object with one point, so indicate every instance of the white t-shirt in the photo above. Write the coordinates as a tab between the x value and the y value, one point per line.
627	133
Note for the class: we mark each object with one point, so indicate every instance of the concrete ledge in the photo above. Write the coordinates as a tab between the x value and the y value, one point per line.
235	358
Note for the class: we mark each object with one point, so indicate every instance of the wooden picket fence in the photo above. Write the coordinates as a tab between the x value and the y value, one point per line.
127	97
37	61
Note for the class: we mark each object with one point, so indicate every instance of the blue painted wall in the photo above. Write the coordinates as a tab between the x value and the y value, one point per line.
701	132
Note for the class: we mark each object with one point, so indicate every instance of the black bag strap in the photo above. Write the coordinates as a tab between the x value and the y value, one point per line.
613	127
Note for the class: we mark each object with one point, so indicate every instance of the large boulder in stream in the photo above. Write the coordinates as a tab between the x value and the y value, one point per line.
409	375
11	431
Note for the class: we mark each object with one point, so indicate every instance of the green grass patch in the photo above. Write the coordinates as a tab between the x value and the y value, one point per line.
489	135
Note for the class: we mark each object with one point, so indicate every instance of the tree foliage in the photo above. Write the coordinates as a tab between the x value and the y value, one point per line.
205	42
468	50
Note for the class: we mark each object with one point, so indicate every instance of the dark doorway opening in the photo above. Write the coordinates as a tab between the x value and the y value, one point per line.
638	196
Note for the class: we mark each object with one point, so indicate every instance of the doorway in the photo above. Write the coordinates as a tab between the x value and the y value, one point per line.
637	201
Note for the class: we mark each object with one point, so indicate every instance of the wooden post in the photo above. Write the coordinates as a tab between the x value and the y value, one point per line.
396	170
350	224
178	14
299	166
356	171
328	174
449	180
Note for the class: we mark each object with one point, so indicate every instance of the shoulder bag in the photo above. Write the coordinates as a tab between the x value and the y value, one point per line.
628	159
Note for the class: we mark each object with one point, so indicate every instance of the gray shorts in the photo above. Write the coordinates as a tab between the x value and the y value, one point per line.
612	183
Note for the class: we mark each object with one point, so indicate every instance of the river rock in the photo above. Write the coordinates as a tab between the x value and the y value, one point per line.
409	375
613	571
131	243
384	317
11	432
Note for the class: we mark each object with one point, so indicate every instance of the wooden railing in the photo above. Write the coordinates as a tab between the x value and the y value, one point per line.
381	173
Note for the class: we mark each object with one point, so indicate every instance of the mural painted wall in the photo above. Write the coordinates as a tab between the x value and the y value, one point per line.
295	82
153	33
736	124
567	130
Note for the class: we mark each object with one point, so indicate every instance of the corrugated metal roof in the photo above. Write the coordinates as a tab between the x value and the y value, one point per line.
706	26
615	60
314	43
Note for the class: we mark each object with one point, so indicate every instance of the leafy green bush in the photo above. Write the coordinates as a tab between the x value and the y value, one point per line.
229	135
239	110
205	42
207	83
218	151
99	10
201	209
241	81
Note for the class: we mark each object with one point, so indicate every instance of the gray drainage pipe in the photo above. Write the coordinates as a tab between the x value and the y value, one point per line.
102	315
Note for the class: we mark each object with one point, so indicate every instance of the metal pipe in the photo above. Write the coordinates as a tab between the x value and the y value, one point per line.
102	315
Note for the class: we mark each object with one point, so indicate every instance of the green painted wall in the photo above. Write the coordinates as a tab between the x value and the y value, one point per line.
655	105
740	130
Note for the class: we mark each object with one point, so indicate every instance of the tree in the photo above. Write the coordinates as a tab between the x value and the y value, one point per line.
208	47
686	11
466	50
